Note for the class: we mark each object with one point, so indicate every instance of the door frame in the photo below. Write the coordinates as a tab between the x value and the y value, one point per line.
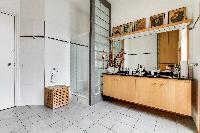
93	99
14	55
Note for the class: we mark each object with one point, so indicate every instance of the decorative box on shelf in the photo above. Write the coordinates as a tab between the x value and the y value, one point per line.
56	96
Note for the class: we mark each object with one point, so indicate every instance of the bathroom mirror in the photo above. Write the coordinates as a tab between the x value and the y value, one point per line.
154	51
141	50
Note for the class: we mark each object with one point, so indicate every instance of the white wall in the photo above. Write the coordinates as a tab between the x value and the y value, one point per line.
131	10
195	58
57	54
147	44
10	6
194	38
32	52
64	20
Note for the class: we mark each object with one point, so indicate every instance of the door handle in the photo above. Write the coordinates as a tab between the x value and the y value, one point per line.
9	64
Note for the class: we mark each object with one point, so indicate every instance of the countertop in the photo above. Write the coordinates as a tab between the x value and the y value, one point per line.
146	76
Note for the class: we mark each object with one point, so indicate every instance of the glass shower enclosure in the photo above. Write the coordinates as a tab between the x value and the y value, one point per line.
79	69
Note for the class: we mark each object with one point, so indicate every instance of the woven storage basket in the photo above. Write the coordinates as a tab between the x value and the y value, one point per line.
56	96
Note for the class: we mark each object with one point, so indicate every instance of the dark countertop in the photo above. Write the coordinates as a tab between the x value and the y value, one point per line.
146	76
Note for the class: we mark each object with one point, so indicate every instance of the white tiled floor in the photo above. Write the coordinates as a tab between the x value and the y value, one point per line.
104	117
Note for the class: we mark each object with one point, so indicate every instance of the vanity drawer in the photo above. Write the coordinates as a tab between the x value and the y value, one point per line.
159	93
119	87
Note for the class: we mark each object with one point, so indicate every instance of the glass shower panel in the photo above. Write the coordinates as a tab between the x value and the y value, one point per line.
73	72
117	47
80	70
101	43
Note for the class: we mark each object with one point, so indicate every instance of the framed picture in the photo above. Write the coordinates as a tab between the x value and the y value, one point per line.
140	24
157	20
128	28
117	30
177	15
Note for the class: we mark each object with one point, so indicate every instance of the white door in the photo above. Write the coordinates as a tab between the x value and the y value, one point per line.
32	71
6	61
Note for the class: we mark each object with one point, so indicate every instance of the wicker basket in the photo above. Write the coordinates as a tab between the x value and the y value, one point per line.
56	96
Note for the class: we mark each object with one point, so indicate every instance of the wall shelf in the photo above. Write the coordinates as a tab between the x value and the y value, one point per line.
151	31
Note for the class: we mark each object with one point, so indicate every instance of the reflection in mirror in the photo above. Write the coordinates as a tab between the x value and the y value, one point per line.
142	51
164	53
168	49
116	57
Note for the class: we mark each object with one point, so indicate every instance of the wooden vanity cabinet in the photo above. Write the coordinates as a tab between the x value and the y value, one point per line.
183	96
115	90
127	86
157	93
107	85
119	87
144	91
166	94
